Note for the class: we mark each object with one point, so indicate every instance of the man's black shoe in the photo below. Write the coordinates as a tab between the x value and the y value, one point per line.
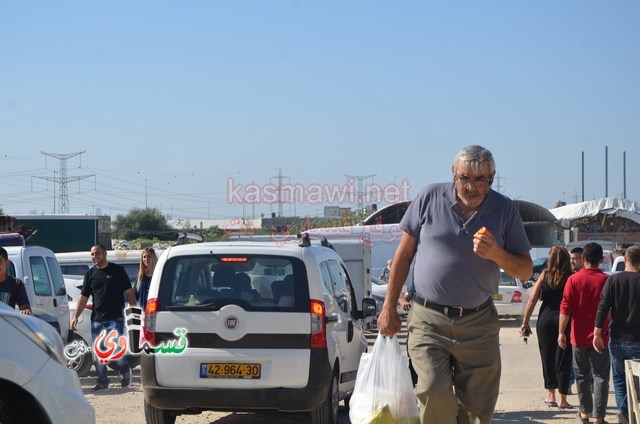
100	386
125	382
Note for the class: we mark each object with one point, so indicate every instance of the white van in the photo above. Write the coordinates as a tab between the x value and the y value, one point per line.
78	263
263	325
38	269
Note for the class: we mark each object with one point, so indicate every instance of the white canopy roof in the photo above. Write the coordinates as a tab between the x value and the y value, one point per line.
609	205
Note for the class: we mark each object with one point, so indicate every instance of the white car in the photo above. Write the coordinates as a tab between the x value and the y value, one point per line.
245	326
513	295
618	264
78	352
379	292
35	384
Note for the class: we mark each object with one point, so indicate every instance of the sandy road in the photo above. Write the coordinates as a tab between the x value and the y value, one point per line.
521	394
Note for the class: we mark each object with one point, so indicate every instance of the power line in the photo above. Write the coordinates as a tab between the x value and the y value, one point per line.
62	179
280	177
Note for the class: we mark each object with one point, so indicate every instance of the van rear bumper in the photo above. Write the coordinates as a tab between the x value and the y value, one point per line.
308	398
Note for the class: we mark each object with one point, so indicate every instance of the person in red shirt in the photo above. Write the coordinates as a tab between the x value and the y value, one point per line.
580	303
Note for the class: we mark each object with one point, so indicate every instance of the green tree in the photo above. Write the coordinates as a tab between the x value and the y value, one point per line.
142	223
214	233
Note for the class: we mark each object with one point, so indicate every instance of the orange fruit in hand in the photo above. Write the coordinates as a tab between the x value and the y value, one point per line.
483	232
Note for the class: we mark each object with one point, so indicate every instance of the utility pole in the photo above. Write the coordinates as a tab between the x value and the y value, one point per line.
63	180
280	177
359	191
499	185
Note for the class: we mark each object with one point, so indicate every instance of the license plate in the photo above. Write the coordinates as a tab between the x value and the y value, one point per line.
228	370
496	297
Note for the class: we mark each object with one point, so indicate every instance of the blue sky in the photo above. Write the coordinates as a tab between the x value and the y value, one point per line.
171	101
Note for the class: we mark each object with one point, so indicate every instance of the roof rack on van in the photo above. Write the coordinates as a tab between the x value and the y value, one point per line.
183	237
305	240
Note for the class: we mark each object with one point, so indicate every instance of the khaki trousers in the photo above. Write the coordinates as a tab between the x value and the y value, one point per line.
458	364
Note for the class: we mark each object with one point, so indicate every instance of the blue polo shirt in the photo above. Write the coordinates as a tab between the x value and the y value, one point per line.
446	269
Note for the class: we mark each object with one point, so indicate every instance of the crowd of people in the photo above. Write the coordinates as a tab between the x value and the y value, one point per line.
588	324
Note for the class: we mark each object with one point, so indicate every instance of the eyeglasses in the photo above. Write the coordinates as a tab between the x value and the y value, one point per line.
481	180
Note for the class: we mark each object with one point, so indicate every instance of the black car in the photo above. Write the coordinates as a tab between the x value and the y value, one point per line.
538	266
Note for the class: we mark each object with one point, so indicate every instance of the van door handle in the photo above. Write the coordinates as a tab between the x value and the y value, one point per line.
55	302
332	318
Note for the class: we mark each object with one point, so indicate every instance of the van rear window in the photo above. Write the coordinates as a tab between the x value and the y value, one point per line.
256	283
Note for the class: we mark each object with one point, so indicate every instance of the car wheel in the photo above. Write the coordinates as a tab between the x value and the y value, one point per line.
81	364
6	415
328	411
133	360
154	415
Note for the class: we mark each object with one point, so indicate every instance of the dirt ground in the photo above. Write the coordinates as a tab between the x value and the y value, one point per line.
521	394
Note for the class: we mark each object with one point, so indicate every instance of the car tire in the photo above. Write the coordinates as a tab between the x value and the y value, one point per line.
327	413
133	360
154	415
7	416
83	363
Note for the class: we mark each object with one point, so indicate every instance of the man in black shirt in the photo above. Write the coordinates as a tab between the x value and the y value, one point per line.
105	283
12	290
620	296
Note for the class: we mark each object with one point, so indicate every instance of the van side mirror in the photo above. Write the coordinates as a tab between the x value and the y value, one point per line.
368	308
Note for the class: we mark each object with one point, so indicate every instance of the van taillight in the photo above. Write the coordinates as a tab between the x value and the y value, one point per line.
149	327
517	297
318	325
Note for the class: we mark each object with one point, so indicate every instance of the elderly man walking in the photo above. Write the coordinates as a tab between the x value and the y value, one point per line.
461	233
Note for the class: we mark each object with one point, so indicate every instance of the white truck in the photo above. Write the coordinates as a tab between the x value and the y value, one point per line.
355	254
382	241
40	272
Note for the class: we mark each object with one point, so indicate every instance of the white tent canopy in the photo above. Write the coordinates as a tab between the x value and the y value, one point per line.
608	205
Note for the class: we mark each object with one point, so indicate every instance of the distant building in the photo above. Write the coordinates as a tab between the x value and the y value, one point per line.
335	211
68	233
233	226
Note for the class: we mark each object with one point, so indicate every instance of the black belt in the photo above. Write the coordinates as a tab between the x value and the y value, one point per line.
450	311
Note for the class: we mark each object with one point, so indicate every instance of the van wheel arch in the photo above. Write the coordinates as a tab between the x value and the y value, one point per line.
20	404
327	413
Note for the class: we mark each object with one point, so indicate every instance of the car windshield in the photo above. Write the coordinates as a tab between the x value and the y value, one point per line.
539	261
251	281
507	280
377	281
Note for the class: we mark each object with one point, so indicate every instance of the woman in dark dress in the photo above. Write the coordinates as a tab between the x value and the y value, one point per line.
556	362
148	261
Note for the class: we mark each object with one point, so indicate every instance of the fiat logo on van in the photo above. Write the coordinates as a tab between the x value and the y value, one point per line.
231	322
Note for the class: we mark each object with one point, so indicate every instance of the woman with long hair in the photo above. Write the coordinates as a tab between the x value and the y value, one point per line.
148	261
556	362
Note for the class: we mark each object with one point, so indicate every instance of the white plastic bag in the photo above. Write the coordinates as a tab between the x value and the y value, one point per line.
383	393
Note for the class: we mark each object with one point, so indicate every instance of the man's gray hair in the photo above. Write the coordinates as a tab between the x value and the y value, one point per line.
475	156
